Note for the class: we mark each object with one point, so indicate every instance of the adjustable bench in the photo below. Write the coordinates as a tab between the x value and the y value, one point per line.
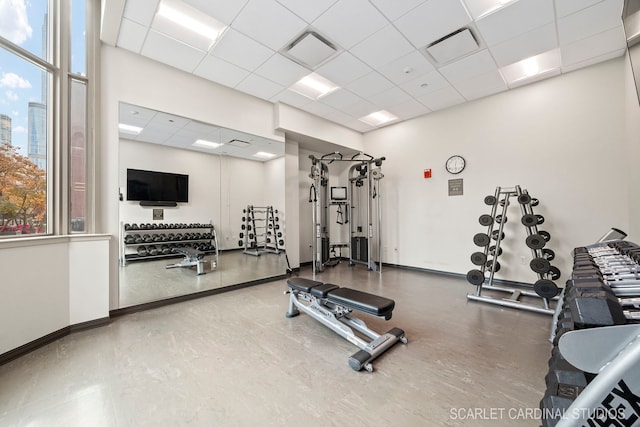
332	305
191	257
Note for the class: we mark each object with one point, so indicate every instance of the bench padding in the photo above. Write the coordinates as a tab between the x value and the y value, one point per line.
302	284
362	301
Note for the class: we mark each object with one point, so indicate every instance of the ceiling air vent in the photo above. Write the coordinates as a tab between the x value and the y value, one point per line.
239	143
453	46
310	49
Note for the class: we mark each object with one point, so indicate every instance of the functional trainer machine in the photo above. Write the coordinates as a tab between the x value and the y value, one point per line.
332	305
358	205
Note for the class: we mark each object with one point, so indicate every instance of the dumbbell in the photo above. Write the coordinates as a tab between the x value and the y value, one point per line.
548	254
240	243
478	258
152	250
137	238
241	235
475	277
481	239
535	241
166	250
489	265
540	265
490	200
523	199
147	238
492	251
495	235
499	219
142	251
530	220
129	239
127	227
281	242
485	220
546	288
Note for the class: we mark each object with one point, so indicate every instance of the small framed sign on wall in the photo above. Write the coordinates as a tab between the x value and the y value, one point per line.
158	214
455	187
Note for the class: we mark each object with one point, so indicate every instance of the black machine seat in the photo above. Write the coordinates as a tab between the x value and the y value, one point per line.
321	291
302	284
362	301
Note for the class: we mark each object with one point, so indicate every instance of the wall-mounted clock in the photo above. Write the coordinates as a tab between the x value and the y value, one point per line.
455	164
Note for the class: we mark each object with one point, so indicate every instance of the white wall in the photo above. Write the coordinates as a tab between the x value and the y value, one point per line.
633	146
50	283
292	203
562	139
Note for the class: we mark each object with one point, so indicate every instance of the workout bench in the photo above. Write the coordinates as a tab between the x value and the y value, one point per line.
332	305
191	257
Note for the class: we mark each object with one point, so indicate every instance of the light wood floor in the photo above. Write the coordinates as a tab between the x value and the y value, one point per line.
234	359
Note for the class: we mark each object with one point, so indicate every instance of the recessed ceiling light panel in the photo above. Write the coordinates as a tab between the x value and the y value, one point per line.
264	155
314	86
525	70
187	24
206	144
378	118
129	129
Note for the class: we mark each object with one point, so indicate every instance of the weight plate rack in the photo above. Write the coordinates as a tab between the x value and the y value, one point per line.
593	377
261	230
486	260
147	241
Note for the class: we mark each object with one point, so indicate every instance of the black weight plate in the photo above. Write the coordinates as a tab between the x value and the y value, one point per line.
127	227
485	220
490	200
481	239
548	254
535	202
540	265
545	235
475	277
492	251
489	264
546	288
540	219
529	220
535	241
523	199
478	258
240	243
554	272
499	219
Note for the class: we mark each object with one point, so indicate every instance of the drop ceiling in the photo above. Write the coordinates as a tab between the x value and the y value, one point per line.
409	57
157	127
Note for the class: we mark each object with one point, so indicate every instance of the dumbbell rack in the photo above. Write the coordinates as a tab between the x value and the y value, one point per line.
593	369
544	288
164	237
260	231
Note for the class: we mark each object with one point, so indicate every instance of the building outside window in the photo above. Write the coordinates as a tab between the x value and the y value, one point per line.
40	151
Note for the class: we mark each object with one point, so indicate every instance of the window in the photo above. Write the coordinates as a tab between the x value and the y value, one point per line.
40	151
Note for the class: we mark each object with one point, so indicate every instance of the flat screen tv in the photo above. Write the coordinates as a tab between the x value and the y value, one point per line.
150	186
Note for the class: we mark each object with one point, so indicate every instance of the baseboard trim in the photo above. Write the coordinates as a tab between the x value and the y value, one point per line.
182	298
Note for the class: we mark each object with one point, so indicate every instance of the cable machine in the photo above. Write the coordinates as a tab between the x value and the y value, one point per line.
357	204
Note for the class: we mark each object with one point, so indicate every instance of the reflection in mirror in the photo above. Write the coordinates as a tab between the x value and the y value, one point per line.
185	187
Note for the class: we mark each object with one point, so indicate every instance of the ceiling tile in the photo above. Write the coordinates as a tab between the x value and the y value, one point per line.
220	71
281	70
406	68
360	109
601	44
349	21
409	109
259	86
319	109
131	36
141	11
593	20
223	11
471	66
359	126
481	85
171	52
269	22
382	47
291	98
567	7
340	99
343	69
594	60
516	18
390	97
432	20
238	49
539	40
339	117
395	9
307	10
442	98
369	84
425	84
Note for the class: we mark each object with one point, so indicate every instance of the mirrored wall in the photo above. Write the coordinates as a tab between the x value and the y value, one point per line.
209	175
